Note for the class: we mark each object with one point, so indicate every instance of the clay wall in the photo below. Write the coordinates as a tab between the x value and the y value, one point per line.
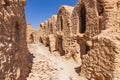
14	55
89	33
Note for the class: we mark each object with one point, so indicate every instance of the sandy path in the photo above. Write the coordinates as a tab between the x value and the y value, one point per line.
47	66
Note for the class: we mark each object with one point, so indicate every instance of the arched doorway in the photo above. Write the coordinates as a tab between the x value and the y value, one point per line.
61	23
31	38
100	10
59	46
47	42
40	40
84	48
51	28
82	20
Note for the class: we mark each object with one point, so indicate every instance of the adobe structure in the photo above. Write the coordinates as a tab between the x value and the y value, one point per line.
47	31
41	31
90	34
96	28
14	55
63	29
31	34
53	29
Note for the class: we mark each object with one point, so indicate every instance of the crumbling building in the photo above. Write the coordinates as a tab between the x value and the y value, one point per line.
90	33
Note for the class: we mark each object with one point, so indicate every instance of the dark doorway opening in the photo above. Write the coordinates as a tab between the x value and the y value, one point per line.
41	41
7	3
84	48
100	10
82	20
47	42
59	46
47	45
51	28
31	38
61	23
87	49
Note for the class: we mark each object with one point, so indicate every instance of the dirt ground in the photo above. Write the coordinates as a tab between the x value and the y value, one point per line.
47	66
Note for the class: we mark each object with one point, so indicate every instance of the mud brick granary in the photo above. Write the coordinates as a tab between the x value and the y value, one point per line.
90	33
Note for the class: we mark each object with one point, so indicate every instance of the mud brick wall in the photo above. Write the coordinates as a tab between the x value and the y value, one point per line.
102	61
14	55
64	27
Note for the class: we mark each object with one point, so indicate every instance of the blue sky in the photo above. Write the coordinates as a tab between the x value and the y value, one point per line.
38	11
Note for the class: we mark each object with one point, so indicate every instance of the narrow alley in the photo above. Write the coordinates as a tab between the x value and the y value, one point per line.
47	66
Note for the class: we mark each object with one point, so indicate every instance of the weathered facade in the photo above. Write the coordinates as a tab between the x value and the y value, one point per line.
63	29
52	29
89	33
41	30
47	31
101	62
95	27
14	55
31	34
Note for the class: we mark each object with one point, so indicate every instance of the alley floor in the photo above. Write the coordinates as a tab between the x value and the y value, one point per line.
47	66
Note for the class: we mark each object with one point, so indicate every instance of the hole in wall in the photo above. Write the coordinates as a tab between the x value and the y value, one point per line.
59	46
100	10
47	42
87	49
82	20
84	48
31	38
7	3
51	28
61	23
41	41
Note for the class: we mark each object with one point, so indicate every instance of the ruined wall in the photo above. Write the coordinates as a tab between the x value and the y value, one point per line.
98	55
43	34
85	18
14	55
52	29
64	25
102	61
89	33
46	26
90	17
117	15
41	30
53	23
31	34
85	25
46	31
39	34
